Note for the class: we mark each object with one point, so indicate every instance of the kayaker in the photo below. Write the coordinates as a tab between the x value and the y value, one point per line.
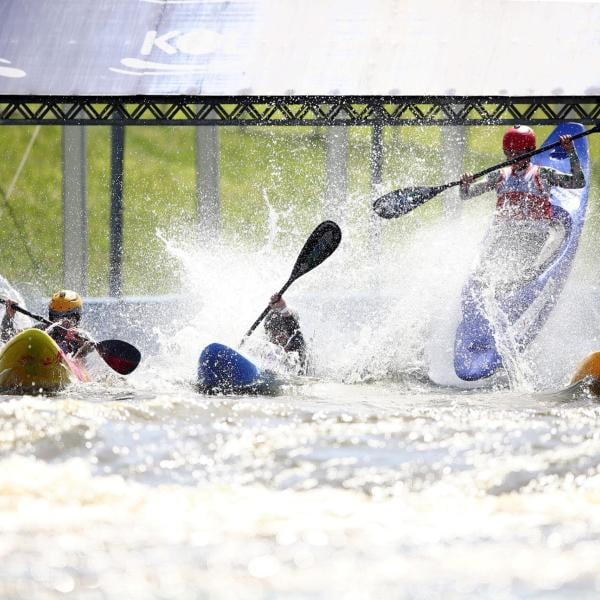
65	310
282	326
525	233
523	188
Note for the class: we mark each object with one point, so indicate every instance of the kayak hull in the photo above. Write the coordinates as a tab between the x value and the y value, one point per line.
589	369
523	310
31	362
223	370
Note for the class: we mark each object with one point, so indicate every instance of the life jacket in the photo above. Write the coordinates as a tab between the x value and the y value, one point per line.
522	195
59	335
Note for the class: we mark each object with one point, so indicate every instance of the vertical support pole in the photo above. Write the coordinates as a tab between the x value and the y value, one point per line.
376	156
337	170
454	141
374	222
75	218
376	177
115	275
208	182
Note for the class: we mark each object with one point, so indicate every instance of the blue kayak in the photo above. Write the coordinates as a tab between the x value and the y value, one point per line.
520	308
223	370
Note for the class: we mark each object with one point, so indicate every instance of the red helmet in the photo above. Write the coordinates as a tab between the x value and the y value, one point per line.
519	139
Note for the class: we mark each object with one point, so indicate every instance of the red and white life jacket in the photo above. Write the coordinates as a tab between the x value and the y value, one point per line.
521	195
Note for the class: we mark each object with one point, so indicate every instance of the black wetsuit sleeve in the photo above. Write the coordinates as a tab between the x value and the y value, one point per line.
73	345
7	328
476	189
570	181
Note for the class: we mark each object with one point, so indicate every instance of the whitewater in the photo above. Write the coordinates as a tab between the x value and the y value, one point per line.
366	480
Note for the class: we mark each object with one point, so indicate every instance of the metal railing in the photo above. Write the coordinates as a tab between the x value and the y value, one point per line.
298	110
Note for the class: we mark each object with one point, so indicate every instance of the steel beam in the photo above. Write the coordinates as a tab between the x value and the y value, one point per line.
299	110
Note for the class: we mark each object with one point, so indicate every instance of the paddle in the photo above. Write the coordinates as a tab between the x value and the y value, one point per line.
399	202
117	354
319	246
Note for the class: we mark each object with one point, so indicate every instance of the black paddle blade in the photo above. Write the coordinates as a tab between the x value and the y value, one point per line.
119	355
320	245
399	202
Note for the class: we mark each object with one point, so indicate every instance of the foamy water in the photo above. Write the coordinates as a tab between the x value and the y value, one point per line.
331	490
366	481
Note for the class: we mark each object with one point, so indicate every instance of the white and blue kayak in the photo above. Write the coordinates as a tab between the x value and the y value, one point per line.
223	370
522	307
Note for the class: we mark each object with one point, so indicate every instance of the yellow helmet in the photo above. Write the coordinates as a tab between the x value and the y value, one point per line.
65	304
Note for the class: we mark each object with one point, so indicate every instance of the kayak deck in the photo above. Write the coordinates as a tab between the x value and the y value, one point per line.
31	362
223	370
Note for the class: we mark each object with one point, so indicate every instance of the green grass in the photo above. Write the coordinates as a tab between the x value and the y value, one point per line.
281	166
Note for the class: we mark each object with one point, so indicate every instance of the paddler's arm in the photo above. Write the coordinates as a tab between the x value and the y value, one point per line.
87	344
7	326
468	189
296	339
84	350
278	304
77	342
569	181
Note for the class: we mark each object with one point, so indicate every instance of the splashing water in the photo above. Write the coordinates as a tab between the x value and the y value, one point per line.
368	481
381	322
390	306
8	291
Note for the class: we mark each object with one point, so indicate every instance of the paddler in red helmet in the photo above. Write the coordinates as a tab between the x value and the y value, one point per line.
523	189
525	233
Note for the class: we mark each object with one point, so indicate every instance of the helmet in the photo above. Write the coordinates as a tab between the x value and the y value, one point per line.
65	304
519	139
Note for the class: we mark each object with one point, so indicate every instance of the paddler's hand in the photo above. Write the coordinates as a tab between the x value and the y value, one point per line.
72	335
566	143
466	180
76	335
86	344
9	307
277	302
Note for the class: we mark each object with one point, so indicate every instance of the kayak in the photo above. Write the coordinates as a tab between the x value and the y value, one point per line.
589	369
32	362
586	380
488	330
222	369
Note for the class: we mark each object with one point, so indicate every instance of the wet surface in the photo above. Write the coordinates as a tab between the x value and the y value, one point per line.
328	490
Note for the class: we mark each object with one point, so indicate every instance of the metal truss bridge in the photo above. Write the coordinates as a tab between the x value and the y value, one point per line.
297	110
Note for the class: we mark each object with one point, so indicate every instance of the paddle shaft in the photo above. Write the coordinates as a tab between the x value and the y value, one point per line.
319	246
521	157
29	314
266	311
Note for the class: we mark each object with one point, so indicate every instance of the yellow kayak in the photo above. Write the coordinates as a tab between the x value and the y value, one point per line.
32	362
589	367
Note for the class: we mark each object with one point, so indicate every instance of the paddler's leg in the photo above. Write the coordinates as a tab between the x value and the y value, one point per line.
551	235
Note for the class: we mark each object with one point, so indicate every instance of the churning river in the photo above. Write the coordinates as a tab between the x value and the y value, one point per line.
365	481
